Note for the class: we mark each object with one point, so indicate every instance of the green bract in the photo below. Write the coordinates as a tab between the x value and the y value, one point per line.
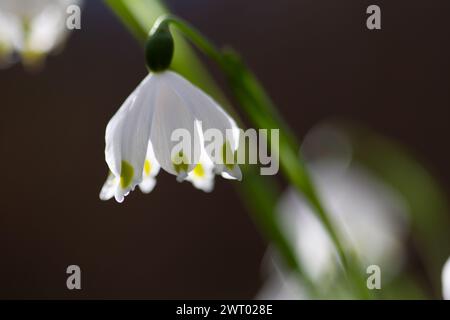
159	49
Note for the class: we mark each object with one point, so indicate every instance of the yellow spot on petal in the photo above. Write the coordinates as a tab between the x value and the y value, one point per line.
126	174
199	171
147	167
180	163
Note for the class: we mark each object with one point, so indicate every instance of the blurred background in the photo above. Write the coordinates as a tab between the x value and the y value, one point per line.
317	60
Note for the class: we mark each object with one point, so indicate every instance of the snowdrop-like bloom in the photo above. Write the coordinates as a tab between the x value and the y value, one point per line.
142	131
446	280
370	217
32	28
162	103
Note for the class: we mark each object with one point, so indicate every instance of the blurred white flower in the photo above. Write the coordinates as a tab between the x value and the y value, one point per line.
162	103
370	217
446	280
32	28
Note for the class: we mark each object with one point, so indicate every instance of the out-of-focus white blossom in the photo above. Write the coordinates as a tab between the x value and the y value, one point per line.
32	28
163	103
369	216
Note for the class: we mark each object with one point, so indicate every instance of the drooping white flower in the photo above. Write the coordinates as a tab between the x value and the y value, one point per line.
32	28
369	216
161	104
446	280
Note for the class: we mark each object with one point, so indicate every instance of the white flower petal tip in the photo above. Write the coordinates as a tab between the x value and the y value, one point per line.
207	187
147	185
150	171
120	187
202	177
109	188
181	176
145	134
119	198
446	281
232	173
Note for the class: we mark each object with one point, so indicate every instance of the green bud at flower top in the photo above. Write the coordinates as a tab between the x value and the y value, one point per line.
159	48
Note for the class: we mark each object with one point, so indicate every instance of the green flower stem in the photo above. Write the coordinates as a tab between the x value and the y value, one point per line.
257	192
193	35
263	114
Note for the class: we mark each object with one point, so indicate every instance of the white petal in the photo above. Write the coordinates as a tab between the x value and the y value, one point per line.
446	280
171	113
226	166
212	116
47	30
233	173
357	199
152	162
28	9
202	105
202	176
148	184
109	187
127	136
151	169
45	25
313	245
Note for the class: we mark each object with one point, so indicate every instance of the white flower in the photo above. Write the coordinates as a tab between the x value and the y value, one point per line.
162	103
32	28
369	216
446	280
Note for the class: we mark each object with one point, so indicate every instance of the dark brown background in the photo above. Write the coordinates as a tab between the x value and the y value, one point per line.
316	58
